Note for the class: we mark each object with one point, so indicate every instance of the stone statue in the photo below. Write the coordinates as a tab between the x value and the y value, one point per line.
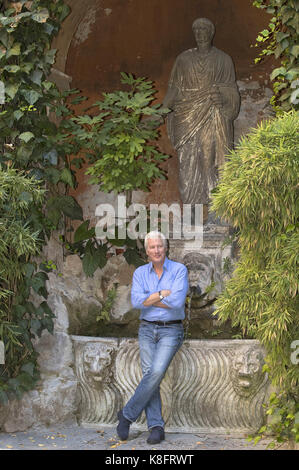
204	100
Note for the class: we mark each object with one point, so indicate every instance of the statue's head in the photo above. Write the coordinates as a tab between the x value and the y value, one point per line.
97	361
247	374
203	30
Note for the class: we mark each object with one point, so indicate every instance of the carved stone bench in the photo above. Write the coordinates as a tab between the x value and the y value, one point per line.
211	386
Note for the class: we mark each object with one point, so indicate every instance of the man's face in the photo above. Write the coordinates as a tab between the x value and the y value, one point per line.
156	250
203	34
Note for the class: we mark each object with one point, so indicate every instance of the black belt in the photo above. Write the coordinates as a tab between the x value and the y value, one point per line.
163	323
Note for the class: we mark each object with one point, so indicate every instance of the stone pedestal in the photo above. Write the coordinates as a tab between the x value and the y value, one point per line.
210	262
210	386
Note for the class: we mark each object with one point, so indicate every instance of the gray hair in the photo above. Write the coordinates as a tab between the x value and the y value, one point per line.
199	21
155	234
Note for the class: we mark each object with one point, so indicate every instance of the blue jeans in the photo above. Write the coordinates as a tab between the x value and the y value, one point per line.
158	345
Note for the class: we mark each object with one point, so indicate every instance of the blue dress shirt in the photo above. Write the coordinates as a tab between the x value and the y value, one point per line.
145	282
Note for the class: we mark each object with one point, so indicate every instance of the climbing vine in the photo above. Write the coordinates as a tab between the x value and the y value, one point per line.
280	40
40	145
33	159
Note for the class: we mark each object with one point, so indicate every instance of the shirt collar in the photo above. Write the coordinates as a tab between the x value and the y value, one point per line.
165	265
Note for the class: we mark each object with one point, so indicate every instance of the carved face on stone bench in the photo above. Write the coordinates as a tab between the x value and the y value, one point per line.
97	360
246	372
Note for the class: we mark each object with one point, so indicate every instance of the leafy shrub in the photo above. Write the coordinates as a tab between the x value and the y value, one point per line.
258	194
120	138
20	319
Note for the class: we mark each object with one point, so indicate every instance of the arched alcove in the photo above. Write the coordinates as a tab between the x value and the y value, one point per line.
104	37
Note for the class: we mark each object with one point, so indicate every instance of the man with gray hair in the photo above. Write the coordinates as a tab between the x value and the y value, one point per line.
159	290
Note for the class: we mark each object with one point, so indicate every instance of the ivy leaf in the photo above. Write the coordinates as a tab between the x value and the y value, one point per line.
132	257
11	89
93	258
66	204
36	77
50	56
38	283
71	208
14	51
31	96
67	177
278	71
83	233
295	51
52	174
41	16
26	136
12	68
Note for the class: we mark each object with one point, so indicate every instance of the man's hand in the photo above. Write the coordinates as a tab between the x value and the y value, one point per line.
154	299
165	292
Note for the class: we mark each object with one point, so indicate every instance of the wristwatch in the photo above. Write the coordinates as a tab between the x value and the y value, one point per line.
160	295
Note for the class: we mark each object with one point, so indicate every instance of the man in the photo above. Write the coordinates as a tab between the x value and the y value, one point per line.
159	290
204	100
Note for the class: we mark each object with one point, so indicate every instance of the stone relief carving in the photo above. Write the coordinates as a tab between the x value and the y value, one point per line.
203	270
211	385
246	371
99	397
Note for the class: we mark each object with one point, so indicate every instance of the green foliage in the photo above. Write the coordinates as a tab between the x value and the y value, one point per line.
94	252
119	138
37	137
258	193
28	137
33	158
107	307
20	320
281	40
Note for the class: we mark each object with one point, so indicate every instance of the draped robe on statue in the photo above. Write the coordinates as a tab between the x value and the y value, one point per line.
200	132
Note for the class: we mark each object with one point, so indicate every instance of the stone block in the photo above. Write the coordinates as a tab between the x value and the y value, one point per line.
212	386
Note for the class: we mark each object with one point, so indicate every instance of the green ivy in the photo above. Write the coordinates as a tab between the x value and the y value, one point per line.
38	134
281	40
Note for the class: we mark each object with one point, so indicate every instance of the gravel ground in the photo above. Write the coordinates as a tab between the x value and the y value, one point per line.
72	437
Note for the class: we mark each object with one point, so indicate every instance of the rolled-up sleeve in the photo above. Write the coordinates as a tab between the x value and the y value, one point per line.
179	290
138	292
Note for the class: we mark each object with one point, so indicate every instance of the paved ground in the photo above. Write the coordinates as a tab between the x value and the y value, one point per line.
72	437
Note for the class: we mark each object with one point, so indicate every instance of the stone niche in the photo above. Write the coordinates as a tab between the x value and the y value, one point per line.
210	386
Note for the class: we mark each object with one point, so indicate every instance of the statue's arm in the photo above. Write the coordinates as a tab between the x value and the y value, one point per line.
173	87
230	101
229	92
